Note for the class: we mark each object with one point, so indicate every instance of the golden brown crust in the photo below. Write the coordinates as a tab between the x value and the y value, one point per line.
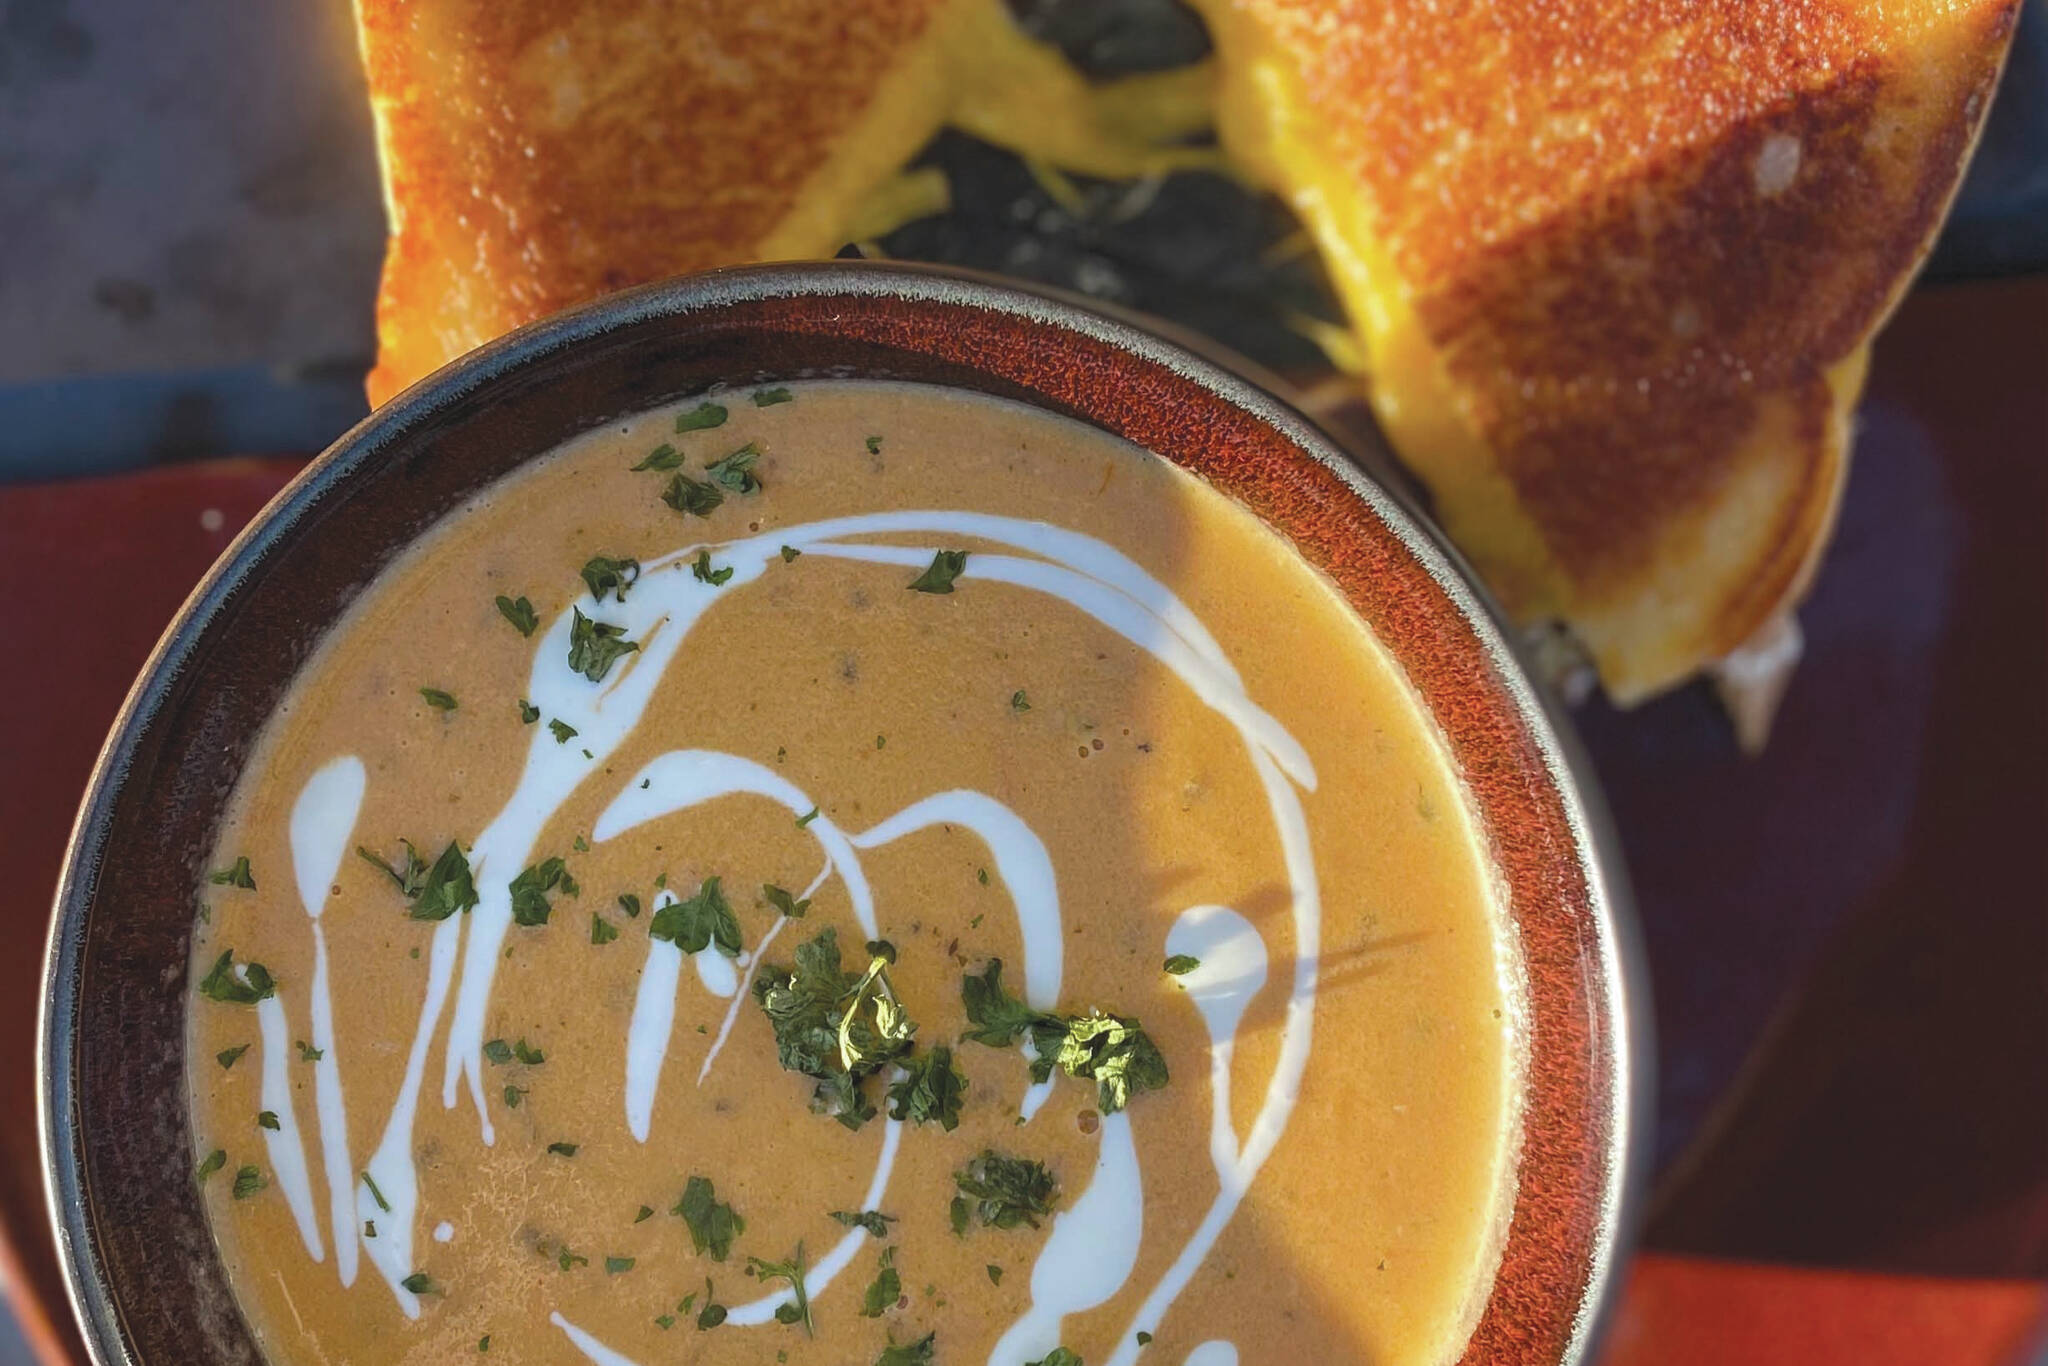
537	154
1639	235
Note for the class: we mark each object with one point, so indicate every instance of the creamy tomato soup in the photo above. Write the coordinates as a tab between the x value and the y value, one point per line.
853	873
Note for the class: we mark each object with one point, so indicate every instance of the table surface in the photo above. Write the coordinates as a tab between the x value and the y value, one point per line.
1848	937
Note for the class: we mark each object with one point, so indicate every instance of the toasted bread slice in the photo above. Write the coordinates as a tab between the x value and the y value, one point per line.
537	155
1616	265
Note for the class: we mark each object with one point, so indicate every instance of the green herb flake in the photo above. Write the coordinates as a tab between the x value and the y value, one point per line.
248	1181
836	1026
793	907
959	1213
734	472
602	931
701	570
420	1283
917	1353
885	1289
530	891
1144	1338
617	1266
713	1313
768	398
663	457
606	575
213	1162
520	613
1059	1356
1007	1191
561	730
930	1091
807	818
797	1309
713	1225
692	496
228	1057
790	552
498	1051
513	1095
701	418
874	445
665	1321
369	1228
236	874
874	1222
376	1194
527	1053
483	1344
938	577
569	1261
981	876
646	1213
995	1274
254	983
528	713
1181	964
266	1119
1116	1054
1019	701
594	646
629	902
706	919
564	1149
438	700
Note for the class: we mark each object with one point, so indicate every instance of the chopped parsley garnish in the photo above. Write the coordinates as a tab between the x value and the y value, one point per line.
594	646
703	417
419	1283
436	891
246	988
236	874
266	1119
930	1090
308	1053
798	1308
1144	1338
793	907
917	1353
882	949
520	613
1059	1356
498	1051
629	902
874	1221
438	700
663	457
1019	702
807	818
701	570
703	920
836	1026
734	472
602	931
874	445
1114	1053
712	1314
527	1053
1181	964
530	891
995	1274
790	552
376	1194
1007	1191
528	713
213	1162
248	1181
885	1289
563	1149
693	496
713	1226
938	577
646	1213
614	1266
568	1260
228	1057
483	1344
561	730
768	398
607	575
513	1095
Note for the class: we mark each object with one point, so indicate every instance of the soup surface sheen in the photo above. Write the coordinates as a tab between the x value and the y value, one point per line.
536	1086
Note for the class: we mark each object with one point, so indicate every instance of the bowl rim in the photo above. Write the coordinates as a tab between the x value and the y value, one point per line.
1615	951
